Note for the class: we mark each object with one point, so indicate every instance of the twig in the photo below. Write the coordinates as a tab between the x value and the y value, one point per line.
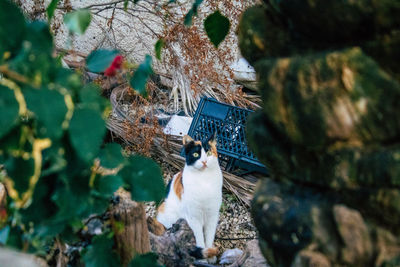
12	74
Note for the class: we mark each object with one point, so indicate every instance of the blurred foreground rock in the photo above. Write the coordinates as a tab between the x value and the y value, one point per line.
11	258
329	130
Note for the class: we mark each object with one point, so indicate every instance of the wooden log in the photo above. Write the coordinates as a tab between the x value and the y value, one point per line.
128	221
174	246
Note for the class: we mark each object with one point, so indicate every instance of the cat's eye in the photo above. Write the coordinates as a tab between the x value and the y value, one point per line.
195	154
209	153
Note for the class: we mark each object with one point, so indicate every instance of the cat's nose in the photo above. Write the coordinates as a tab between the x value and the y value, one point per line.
204	163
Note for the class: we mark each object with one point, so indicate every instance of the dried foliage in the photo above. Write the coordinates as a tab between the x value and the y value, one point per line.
148	138
190	65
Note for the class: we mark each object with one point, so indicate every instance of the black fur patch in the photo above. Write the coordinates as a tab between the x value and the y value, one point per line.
196	252
206	144
168	188
190	149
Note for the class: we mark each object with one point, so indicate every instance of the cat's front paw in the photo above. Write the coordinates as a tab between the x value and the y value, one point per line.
212	260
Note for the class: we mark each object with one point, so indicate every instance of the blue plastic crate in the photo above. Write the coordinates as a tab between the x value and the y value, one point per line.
229	123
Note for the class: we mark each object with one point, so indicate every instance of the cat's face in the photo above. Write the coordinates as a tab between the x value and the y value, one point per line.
201	155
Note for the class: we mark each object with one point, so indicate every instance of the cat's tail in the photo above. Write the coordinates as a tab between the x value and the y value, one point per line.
203	253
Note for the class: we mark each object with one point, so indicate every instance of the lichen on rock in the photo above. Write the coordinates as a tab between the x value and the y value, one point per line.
328	131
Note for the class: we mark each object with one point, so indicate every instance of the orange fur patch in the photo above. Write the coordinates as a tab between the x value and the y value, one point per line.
213	148
178	185
186	139
161	208
210	252
197	142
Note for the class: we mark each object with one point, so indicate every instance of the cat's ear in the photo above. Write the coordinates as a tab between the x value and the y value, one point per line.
186	140
213	139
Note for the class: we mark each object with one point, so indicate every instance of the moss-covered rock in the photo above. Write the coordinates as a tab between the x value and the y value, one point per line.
261	33
321	98
329	130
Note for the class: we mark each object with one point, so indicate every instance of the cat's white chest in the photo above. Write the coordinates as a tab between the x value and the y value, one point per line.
203	188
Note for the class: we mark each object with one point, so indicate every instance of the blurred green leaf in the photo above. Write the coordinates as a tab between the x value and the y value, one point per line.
192	12
100	60
107	185
4	232
20	171
217	27
8	110
126	2
49	108
100	253
12	140
158	46
78	21
34	60
51	8
111	156
141	75
12	27
86	132
90	96
144	177
40	39
145	260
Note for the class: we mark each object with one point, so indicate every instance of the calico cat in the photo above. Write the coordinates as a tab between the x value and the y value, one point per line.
195	194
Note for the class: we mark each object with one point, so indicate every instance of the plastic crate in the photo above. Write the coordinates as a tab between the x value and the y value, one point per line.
229	123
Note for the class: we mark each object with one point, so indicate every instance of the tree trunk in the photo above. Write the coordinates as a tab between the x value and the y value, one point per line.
128	220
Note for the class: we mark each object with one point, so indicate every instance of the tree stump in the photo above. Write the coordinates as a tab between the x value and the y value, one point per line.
128	220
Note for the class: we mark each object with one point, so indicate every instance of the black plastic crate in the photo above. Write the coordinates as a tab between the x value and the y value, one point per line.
229	123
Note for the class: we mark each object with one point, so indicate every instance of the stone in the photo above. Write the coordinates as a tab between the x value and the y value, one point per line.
252	256
328	130
387	248
11	258
357	249
230	255
307	258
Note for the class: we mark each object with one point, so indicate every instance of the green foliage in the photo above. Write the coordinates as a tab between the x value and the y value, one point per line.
48	117
86	142
126	2
110	156
100	60
4	234
107	185
141	75
12	28
78	21
145	260
51	134
217	27
144	179
51	8
192	12
8	110
158	46
98	253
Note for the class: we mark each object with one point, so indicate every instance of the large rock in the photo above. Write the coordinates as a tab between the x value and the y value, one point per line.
357	246
318	99
328	131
